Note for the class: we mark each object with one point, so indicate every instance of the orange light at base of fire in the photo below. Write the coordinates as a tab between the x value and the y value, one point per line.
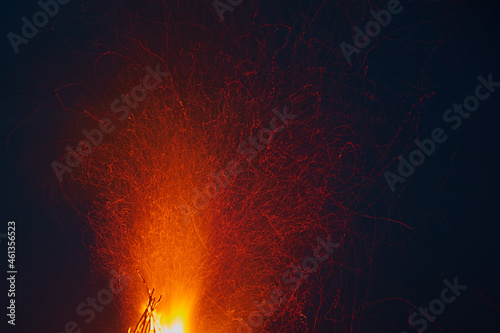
151	321
177	326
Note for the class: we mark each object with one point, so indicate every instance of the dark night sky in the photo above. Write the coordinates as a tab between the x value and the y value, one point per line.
451	201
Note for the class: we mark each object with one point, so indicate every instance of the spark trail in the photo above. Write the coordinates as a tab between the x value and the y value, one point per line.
206	274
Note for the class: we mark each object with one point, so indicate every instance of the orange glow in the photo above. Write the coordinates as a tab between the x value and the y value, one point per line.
211	270
175	322
177	325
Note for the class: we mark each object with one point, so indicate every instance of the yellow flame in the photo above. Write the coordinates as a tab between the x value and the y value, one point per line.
176	326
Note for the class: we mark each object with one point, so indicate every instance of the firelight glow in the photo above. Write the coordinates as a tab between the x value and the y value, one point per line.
177	326
208	270
170	324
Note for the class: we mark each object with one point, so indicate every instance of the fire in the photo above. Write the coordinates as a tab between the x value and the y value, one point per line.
175	322
153	321
210	270
176	327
